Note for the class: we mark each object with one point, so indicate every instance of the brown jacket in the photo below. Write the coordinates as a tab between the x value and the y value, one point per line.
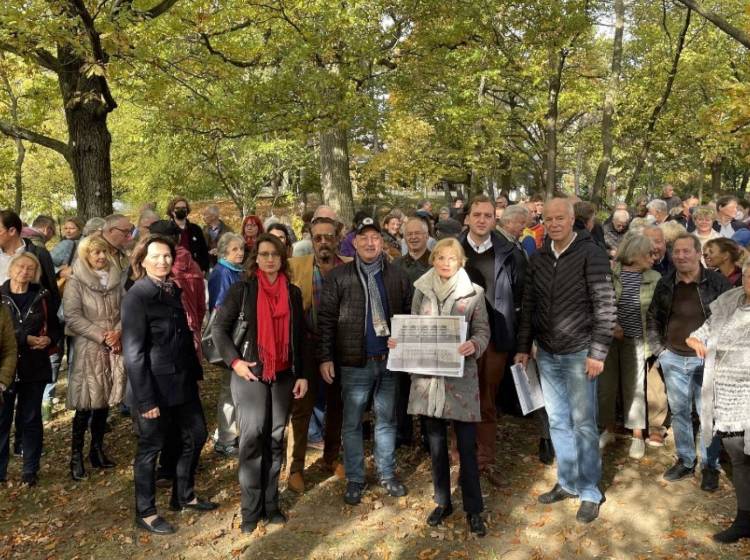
8	348
97	377
301	275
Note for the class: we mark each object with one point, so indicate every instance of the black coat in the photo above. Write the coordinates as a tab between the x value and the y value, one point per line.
33	365
198	248
230	310
341	317
710	286
157	346
569	303
49	278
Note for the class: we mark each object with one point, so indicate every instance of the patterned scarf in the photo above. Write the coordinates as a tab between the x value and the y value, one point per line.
273	322
166	286
367	272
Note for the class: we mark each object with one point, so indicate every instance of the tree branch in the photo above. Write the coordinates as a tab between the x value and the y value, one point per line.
9	129
734	32
40	56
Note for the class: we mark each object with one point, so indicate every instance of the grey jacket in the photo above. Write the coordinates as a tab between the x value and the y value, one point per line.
461	394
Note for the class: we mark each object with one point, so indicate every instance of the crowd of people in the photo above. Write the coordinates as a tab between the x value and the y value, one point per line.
636	324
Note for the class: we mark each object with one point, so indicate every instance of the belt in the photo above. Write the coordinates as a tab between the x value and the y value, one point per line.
378	358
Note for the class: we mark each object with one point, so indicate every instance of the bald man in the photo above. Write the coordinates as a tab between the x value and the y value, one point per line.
569	311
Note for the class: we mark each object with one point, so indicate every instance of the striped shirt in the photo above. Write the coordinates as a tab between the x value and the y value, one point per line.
629	306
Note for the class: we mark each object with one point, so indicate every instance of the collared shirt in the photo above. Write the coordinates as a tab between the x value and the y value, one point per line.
480	248
561	251
5	259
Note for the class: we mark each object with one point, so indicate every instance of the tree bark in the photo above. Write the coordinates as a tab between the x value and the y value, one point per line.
734	32
717	166
20	148
646	148
89	140
334	172
609	105
556	63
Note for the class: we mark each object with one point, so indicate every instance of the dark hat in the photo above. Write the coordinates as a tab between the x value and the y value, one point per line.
448	228
367	222
165	227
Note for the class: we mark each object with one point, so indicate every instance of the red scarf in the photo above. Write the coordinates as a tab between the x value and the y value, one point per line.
273	320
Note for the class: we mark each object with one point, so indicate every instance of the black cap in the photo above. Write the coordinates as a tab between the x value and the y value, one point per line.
165	227
367	222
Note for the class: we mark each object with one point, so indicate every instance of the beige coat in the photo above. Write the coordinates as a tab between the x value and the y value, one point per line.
97	376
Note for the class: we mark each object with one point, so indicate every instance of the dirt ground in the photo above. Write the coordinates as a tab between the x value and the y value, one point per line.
643	517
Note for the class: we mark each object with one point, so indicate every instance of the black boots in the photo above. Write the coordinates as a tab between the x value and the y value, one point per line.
96	455
80	423
739	529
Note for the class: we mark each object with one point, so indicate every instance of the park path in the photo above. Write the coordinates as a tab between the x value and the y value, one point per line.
643	518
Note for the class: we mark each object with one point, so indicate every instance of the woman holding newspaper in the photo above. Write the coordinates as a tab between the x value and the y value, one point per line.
446	290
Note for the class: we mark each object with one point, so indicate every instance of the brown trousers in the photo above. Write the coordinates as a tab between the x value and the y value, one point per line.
491	369
301	413
656	399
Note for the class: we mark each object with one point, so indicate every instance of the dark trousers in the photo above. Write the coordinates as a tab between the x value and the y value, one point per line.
466	439
735	447
26	400
152	434
262	412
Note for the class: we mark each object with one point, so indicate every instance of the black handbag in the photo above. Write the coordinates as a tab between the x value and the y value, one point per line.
239	330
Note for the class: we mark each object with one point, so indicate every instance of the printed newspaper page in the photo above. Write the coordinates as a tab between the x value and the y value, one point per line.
528	387
428	345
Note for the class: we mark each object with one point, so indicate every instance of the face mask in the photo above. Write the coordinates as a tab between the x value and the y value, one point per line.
180	213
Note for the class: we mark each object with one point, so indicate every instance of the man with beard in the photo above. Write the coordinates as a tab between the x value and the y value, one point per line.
308	273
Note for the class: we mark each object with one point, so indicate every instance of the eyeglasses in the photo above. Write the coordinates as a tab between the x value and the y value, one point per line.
269	255
324	237
123	230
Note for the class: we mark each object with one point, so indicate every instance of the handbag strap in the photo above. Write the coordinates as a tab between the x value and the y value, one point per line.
245	290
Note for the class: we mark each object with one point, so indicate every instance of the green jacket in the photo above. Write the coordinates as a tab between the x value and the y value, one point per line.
8	348
648	285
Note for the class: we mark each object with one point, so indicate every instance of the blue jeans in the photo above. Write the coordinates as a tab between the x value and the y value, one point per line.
570	398
357	386
683	377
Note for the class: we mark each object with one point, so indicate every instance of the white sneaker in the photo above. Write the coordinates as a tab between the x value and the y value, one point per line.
637	448
606	438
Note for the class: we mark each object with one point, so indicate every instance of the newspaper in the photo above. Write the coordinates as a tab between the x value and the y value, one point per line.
527	386
428	345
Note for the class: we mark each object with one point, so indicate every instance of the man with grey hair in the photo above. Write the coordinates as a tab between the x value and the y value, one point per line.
615	230
213	229
659	210
569	310
118	231
147	217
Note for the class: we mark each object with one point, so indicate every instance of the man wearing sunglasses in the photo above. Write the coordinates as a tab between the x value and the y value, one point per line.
308	273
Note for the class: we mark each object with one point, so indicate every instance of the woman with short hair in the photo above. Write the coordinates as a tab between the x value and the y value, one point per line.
267	374
444	290
625	366
96	378
35	329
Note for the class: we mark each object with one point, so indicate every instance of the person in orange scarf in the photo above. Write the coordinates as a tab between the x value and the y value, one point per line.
268	372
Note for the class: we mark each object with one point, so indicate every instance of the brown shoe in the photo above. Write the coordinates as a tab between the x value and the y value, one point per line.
337	469
296	483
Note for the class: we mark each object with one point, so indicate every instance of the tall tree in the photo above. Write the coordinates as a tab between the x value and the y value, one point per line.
65	38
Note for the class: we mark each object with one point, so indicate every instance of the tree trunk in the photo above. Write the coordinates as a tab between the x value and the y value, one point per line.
609	105
506	175
717	166
556	63
20	148
334	173
86	106
646	148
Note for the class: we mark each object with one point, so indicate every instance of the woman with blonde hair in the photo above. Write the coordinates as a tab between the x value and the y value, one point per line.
443	290
96	378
